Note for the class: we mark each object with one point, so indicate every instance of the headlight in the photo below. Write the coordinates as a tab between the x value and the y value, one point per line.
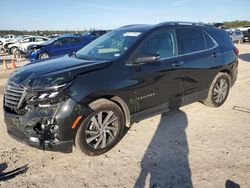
48	96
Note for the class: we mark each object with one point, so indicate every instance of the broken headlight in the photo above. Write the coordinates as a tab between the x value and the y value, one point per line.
48	95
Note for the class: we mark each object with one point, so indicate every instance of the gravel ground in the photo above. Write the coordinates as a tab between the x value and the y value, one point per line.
196	146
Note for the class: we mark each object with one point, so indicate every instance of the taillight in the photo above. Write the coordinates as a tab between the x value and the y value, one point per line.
236	50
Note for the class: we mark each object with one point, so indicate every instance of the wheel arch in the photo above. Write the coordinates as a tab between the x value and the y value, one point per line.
227	71
121	103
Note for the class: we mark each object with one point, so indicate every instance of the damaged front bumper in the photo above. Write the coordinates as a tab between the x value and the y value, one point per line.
47	127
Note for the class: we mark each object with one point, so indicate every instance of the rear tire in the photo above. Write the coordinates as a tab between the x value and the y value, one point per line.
218	91
102	129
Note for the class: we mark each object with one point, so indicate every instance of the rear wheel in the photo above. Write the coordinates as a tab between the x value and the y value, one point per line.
102	129
43	55
218	90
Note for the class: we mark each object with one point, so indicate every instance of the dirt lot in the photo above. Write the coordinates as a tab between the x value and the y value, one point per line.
196	146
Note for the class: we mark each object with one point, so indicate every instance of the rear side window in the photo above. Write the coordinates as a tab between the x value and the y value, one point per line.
210	43
221	37
193	40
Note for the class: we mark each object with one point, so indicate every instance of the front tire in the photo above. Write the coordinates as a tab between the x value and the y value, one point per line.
102	129
218	91
43	55
13	49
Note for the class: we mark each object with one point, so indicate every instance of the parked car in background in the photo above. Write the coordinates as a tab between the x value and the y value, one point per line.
236	35
122	77
55	47
246	32
61	46
23	43
94	34
6	39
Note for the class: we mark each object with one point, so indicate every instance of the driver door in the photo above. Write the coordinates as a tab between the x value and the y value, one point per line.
160	83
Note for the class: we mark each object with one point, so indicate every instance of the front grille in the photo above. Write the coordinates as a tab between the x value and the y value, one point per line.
13	95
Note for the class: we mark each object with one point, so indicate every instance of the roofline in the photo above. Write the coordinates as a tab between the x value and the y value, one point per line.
132	25
185	23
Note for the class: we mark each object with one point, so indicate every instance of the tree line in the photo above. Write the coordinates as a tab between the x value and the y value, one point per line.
40	32
226	24
236	24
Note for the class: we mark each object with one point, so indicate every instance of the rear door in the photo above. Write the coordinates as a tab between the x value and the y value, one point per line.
202	57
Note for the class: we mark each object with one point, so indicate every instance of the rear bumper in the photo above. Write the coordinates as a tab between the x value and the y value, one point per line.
234	73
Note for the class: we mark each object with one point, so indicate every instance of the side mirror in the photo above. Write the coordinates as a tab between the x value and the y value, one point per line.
146	59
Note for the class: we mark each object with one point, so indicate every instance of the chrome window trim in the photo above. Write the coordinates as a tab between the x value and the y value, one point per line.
196	52
181	55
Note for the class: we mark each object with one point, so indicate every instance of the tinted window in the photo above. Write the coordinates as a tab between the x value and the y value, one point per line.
74	40
162	43
210	43
193	40
62	41
221	37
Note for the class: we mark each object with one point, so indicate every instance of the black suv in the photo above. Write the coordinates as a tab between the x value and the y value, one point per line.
126	75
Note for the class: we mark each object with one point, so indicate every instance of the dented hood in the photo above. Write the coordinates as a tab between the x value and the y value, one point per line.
53	72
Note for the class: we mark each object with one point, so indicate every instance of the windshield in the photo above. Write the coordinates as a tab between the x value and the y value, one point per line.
109	46
49	41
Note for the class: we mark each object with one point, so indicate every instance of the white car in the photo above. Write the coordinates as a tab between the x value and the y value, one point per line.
246	32
236	35
6	39
25	42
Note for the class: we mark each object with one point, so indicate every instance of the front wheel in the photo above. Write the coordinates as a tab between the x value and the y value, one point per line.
43	55
218	90
13	49
102	129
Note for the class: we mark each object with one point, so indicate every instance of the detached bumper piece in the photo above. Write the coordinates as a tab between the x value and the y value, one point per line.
11	174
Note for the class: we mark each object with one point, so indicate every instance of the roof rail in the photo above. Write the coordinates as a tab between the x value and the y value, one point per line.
185	23
130	25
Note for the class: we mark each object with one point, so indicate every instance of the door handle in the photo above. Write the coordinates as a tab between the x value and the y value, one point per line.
177	63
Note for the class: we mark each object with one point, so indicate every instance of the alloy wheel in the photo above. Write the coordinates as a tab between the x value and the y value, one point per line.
220	90
102	129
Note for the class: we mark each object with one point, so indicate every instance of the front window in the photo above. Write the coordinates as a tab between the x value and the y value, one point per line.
109	46
162	43
49	41
26	40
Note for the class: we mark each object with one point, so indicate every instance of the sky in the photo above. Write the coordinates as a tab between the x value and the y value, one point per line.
110	14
